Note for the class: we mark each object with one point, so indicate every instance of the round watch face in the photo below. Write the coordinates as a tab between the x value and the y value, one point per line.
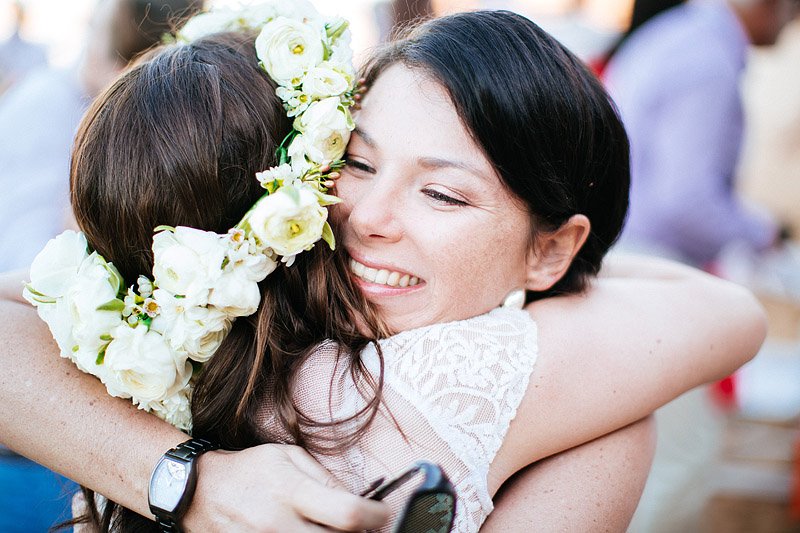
168	484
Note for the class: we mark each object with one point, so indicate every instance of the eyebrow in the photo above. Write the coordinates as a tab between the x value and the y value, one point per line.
364	137
435	163
430	163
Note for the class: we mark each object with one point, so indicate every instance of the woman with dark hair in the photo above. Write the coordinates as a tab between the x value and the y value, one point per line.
488	167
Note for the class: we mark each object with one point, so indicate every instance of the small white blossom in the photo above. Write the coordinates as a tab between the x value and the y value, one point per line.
282	173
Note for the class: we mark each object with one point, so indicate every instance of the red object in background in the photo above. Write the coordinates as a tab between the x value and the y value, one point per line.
723	393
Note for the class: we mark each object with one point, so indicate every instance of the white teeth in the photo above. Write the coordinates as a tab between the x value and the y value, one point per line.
369	274
358	268
382	276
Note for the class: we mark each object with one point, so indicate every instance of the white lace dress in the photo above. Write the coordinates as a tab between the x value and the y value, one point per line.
450	392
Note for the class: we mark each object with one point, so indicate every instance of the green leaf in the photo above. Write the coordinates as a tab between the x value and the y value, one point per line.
163	228
334	32
283	155
101	356
112	305
115	278
327	199
327	236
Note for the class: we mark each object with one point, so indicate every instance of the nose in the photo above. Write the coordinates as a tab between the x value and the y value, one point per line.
376	214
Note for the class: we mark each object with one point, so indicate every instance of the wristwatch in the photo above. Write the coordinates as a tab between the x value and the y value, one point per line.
173	482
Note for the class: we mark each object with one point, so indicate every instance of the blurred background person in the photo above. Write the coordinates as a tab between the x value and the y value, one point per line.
675	76
770	168
676	82
17	55
641	12
38	118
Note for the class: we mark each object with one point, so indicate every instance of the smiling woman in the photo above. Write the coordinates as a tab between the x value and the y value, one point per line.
464	184
428	206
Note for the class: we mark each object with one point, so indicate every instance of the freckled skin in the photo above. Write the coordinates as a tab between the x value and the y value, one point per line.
469	255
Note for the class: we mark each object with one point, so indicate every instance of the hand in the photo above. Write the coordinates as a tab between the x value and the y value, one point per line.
275	487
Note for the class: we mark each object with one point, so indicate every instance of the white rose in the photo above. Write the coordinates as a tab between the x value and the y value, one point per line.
176	409
288	48
186	325
188	261
56	266
235	294
324	81
141	365
202	343
76	318
325	130
204	24
289	221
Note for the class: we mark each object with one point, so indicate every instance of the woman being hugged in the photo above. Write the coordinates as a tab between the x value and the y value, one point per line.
487	161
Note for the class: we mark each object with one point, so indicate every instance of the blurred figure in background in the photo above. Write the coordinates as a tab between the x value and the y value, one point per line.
18	56
642	12
38	118
770	168
676	82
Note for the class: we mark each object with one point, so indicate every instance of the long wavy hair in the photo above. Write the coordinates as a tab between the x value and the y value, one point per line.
177	140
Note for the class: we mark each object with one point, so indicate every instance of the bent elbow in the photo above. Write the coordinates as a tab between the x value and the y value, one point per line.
749	328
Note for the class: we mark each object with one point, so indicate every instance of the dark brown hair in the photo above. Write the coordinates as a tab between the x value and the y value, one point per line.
138	25
177	140
542	119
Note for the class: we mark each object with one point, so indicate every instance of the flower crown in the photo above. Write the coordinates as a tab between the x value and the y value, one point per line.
147	343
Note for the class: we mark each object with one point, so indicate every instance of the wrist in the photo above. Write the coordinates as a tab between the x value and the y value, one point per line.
203	505
173	482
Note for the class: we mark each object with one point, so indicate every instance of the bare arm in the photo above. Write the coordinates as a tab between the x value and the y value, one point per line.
594	487
615	354
64	419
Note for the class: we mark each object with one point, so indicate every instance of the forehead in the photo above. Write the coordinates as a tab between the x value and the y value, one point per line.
409	110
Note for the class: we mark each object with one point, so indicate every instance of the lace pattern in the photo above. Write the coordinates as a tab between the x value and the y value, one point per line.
450	393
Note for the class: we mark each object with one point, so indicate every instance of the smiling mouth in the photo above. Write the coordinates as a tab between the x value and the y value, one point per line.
382	276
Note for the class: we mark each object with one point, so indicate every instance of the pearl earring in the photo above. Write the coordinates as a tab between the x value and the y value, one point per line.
515	299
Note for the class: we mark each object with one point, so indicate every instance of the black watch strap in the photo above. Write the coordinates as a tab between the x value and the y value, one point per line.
192	448
186	451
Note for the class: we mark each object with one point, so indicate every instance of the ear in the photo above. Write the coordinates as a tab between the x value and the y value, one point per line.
551	255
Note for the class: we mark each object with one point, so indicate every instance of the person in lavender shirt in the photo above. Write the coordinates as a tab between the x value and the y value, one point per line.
676	83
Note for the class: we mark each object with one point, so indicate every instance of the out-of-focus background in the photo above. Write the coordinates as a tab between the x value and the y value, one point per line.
710	93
